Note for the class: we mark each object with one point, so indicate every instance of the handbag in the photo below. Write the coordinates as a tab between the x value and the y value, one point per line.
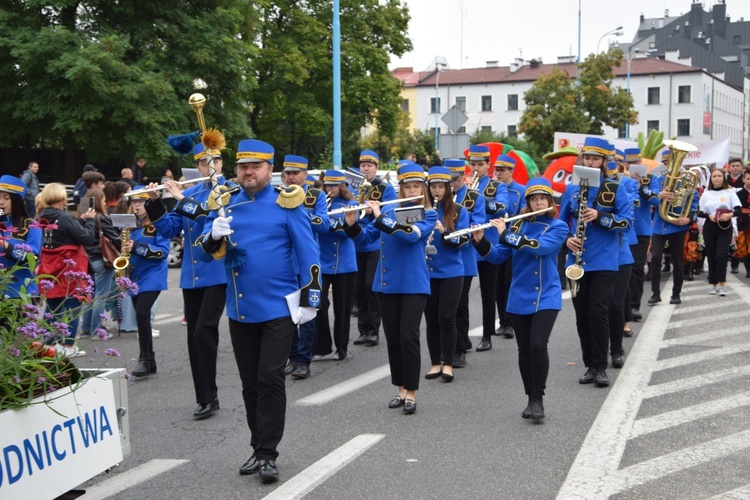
719	212
109	250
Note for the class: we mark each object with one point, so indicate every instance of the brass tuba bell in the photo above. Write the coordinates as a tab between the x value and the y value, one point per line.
682	184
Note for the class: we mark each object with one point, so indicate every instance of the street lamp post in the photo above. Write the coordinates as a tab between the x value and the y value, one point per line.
437	108
615	32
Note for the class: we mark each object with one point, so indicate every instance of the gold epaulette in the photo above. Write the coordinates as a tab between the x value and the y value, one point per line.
226	193
290	197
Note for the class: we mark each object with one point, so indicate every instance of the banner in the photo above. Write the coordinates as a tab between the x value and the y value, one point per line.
716	151
565	139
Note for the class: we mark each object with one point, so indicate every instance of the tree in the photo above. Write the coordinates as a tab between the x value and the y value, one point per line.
400	143
557	103
113	77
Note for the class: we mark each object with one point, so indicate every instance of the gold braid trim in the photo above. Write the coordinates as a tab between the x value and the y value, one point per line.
213	204
221	252
290	197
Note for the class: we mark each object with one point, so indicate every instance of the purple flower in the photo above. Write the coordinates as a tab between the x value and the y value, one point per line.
69	262
46	285
112	352
42	224
32	311
41	380
96	350
61	328
16	379
14	352
101	333
24	247
104	317
51	388
31	330
126	284
127	376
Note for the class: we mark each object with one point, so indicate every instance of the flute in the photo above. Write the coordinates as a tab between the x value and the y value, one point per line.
362	207
161	186
470	230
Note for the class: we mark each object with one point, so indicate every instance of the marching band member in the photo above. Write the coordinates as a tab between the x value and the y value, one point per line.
263	229
504	166
607	213
718	204
743	223
368	255
402	281
474	204
338	263
316	206
17	238
446	267
148	269
535	287
496	201
203	284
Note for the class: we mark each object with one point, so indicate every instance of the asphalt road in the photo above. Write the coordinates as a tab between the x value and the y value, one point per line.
674	423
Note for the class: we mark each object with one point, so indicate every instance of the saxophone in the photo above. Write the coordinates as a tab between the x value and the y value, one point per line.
364	191
122	263
574	272
683	185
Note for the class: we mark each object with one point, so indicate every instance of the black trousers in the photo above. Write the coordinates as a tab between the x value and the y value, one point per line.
142	304
532	336
592	316
677	252
488	291
617	309
368	313
401	319
504	277
440	316
203	310
717	242
463	343
637	278
261	351
343	299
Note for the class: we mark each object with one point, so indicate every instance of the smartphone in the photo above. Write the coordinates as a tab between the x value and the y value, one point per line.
91	202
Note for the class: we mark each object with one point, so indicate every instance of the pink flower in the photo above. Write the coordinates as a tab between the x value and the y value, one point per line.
111	352
42	224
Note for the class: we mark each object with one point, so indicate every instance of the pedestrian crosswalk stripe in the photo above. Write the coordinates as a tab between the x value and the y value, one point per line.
697	357
695	382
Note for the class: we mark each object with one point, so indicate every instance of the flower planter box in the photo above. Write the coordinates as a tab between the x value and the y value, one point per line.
50	448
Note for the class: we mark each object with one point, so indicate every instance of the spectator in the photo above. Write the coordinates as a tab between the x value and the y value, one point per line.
91	180
166	197
139	170
32	188
80	187
126	175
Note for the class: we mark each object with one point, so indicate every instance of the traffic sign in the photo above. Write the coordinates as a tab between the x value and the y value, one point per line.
455	119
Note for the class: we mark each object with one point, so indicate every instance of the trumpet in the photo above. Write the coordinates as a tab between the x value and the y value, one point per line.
488	225
364	207
161	187
474	181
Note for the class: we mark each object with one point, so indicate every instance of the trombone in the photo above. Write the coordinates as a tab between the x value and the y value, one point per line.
160	187
363	206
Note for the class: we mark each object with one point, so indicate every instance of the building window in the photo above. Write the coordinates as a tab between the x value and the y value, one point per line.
652	125
462	130
654	95
486	128
432	131
736	39
461	104
622	132
486	103
683	127
512	130
512	102
405	104
434	105
683	94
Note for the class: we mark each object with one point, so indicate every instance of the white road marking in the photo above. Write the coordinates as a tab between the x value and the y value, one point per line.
710	306
689	359
130	478
673	325
707	336
172	318
684	415
741	493
685	384
346	387
307	480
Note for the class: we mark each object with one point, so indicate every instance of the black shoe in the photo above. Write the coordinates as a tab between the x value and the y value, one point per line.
290	367
747	273
735	270
601	379
484	345
588	377
617	361
372	340
268	471
205	411
500	330
627	333
142	368
301	372
446	377
396	402
355	311
655	298
410	406
526	413
360	340
431	376
537	408
459	359
675	300
666	268
509	333
250	467
636	314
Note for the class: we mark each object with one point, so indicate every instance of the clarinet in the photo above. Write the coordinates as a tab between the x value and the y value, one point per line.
574	272
430	249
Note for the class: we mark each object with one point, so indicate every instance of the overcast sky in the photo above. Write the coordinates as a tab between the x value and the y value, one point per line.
502	30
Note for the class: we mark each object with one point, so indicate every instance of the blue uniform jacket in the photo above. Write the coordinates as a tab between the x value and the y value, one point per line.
187	219
381	191
474	203
148	259
402	267
643	209
447	262
337	254
602	238
624	255
19	243
534	244
659	225
496	206
270	235
516	198
316	206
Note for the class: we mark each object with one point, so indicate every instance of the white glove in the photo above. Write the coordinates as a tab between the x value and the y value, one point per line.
307	314
221	228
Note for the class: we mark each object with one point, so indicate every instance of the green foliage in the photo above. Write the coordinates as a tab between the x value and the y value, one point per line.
556	103
402	142
528	147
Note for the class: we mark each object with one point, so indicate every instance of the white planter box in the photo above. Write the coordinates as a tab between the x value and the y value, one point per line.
50	448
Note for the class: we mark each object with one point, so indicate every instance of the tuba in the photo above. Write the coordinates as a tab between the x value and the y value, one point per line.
122	263
682	184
